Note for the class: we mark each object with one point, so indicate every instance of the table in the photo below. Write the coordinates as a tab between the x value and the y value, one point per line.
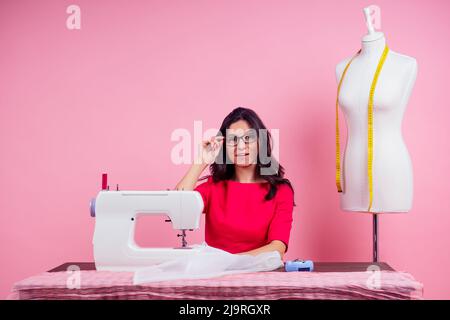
330	280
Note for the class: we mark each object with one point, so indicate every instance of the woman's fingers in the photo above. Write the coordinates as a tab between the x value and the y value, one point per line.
218	141
206	144
213	144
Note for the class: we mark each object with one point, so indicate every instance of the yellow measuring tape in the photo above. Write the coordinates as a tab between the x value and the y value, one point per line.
369	125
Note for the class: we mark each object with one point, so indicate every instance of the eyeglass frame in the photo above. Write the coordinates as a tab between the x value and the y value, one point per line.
234	144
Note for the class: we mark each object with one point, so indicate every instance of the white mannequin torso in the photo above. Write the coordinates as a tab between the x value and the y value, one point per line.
392	167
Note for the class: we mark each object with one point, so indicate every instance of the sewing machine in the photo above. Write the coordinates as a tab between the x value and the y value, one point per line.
116	213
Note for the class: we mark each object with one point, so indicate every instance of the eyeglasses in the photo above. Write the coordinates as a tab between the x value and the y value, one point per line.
233	140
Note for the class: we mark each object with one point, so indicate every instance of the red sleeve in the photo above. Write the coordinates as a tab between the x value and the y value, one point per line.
280	226
204	190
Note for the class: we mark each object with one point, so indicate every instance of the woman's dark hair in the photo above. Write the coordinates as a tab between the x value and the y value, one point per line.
273	171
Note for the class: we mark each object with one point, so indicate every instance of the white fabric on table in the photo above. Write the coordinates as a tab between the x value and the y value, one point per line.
208	262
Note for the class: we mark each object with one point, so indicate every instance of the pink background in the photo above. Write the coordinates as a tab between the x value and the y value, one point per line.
106	98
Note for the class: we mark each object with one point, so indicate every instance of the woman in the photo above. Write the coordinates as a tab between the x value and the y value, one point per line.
248	203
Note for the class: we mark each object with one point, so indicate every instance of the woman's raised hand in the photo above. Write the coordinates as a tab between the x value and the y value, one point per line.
210	149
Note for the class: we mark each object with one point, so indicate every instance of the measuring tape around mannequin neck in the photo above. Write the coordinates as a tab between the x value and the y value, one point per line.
369	125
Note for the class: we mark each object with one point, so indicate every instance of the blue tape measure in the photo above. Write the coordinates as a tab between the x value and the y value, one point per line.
299	265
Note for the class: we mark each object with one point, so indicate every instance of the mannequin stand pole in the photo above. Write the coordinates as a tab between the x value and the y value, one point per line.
375	237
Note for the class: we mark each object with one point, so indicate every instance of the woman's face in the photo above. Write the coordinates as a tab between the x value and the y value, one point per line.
241	142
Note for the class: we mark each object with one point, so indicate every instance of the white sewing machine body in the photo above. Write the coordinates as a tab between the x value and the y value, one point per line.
116	214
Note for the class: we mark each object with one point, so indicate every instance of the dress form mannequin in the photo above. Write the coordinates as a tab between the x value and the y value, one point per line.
392	167
392	172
